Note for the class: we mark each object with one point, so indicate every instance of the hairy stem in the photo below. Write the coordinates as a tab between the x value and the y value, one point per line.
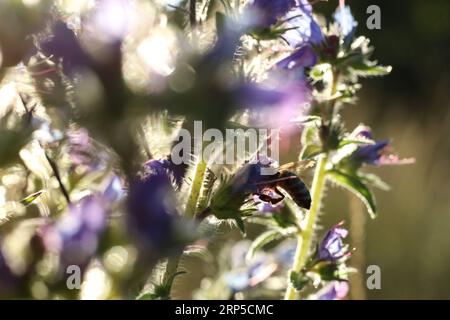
306	236
194	194
191	207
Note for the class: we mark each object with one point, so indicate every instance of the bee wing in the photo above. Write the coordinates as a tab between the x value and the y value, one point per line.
298	166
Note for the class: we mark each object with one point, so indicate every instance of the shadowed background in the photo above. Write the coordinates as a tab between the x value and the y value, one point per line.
410	240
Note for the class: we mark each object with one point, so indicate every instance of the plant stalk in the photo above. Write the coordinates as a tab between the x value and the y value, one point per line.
191	207
306	236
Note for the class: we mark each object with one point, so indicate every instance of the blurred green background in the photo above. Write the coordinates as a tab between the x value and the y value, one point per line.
410	240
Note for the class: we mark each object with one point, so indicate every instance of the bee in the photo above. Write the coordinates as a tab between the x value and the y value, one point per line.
250	179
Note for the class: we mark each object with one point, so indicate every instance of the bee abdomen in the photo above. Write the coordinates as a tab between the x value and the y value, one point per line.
296	188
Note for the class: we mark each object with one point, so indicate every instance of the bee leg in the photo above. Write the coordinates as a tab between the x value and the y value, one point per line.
264	197
277	200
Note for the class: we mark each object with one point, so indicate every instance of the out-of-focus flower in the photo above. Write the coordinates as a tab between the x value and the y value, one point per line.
76	234
346	23
63	44
248	278
335	290
302	58
284	253
109	21
81	150
114	189
332	248
268	12
247	275
292	68
80	147
306	29
151	209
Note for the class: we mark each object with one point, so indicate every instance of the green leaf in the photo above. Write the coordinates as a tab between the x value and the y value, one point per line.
357	187
310	134
375	181
369	70
345	142
240	224
310	151
261	241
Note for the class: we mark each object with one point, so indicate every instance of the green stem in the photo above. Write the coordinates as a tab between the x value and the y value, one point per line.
191	207
306	236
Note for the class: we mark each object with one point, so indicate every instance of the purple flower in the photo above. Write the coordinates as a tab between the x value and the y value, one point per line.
269	11
371	153
151	209
307	30
76	234
332	248
346	23
335	290
377	153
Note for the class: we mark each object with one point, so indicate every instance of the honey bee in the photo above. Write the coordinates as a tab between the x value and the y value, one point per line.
251	180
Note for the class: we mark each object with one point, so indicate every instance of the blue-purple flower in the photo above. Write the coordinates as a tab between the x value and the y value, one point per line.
75	236
335	290
305	28
377	153
303	57
151	209
332	247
